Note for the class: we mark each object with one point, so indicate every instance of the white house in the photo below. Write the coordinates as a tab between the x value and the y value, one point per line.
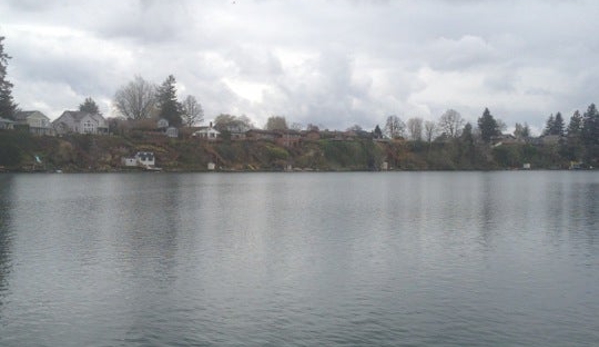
6	123
80	123
38	123
207	133
172	132
162	124
143	159
129	161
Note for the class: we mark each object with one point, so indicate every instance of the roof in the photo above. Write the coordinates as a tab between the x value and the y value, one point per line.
79	115
207	128
23	115
76	115
145	156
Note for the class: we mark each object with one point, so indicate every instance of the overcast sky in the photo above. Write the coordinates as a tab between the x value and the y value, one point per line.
332	63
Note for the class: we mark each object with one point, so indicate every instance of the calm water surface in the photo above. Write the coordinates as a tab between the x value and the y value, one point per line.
335	259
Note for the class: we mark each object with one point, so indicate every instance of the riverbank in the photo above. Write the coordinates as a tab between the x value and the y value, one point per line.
23	152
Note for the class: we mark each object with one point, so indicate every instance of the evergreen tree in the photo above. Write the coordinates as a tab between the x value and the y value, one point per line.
170	108
467	144
574	148
575	125
555	125
558	125
488	126
590	134
89	106
590	126
378	134
7	105
549	125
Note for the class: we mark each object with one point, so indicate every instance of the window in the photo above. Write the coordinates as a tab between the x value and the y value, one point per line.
88	127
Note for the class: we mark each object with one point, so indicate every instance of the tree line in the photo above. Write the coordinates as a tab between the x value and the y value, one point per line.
140	99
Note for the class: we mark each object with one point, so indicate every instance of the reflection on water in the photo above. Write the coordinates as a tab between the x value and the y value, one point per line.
5	232
415	259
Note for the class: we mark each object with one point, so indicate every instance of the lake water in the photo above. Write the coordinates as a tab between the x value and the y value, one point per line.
300	259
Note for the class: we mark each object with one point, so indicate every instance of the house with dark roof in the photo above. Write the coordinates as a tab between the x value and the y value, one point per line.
141	159
80	123
37	122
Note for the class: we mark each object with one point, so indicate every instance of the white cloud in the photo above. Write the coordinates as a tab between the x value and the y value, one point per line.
334	63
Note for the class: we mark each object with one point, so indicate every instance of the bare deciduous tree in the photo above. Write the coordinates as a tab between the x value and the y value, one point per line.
394	127
451	123
192	111
227	122
136	100
430	130
414	126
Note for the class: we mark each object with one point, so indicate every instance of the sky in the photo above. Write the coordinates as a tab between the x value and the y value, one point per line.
332	63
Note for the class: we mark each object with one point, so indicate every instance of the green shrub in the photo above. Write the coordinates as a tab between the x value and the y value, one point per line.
277	153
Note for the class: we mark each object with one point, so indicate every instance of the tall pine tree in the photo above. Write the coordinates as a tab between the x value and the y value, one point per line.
170	108
590	126
590	134
7	105
558	125
575	125
555	125
549	125
488	126
573	141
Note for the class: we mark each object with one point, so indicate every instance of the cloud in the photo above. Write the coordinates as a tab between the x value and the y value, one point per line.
335	63
465	53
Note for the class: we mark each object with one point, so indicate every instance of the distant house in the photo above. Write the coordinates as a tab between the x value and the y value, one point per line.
162	124
208	133
312	134
172	132
506	139
550	139
288	138
258	134
237	135
6	124
129	161
143	159
80	123
37	122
